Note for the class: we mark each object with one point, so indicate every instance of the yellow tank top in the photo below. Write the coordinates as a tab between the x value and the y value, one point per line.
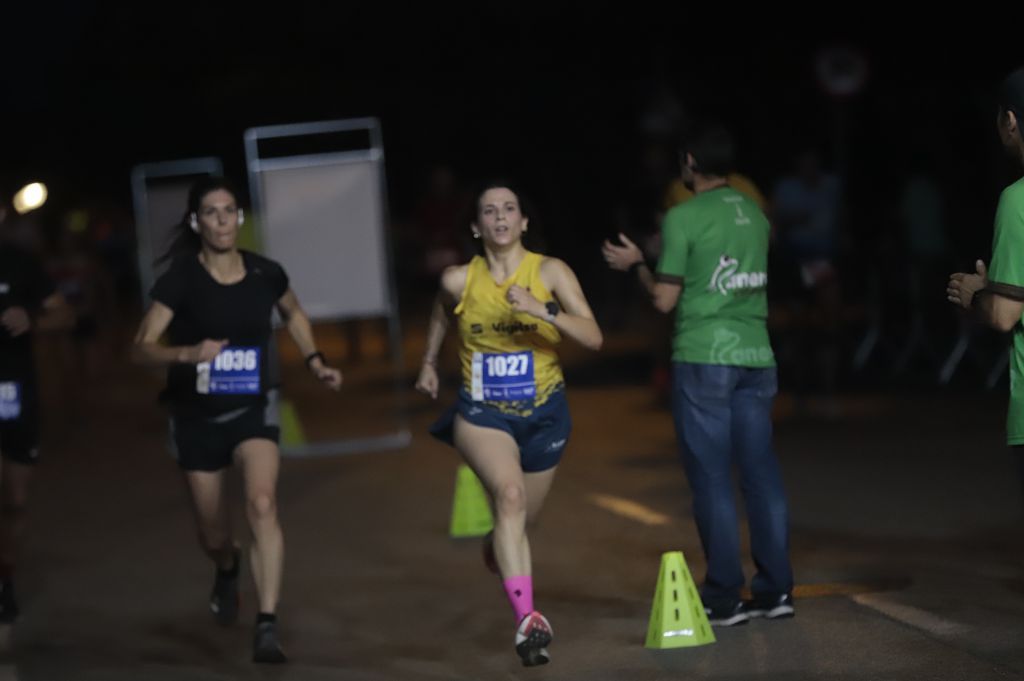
508	358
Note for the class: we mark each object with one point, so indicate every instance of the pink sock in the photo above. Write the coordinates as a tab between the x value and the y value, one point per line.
520	595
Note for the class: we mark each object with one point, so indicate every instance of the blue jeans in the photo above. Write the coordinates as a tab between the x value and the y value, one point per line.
722	416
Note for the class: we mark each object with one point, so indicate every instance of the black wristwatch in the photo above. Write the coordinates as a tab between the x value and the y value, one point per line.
553	310
637	265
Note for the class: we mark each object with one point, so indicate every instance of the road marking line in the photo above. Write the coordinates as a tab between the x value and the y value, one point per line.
630	509
915	617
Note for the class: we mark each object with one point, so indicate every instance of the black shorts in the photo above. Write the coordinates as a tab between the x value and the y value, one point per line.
208	444
19	435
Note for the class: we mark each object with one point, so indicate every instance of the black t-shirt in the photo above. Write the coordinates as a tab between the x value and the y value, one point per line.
23	283
240	313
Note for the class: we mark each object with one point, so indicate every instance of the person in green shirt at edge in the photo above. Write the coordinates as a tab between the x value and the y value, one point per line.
996	294
713	267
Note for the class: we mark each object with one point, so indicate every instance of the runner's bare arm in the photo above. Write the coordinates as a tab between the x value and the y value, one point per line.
453	281
149	351
301	331
575	320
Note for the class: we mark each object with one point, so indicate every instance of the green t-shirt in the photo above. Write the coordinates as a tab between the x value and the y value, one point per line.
1007	269
716	246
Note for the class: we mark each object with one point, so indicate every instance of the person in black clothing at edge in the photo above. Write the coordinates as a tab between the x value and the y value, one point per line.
29	302
215	304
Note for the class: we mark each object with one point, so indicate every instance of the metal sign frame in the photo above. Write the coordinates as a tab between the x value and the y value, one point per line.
255	165
141	175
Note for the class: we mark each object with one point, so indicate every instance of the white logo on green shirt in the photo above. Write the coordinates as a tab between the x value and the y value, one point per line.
725	278
741	218
725	350
725	340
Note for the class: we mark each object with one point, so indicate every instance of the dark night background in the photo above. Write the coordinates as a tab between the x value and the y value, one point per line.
905	503
554	95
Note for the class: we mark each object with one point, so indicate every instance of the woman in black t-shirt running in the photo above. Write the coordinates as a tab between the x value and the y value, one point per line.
215	303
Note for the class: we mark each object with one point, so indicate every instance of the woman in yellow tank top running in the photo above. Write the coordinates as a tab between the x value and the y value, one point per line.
511	422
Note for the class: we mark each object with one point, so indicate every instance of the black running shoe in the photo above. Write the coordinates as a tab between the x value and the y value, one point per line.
266	648
224	599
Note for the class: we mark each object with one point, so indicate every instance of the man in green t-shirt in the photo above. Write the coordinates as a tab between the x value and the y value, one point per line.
996	295
713	267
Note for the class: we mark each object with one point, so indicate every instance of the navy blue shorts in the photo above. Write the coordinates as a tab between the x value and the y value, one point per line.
541	436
